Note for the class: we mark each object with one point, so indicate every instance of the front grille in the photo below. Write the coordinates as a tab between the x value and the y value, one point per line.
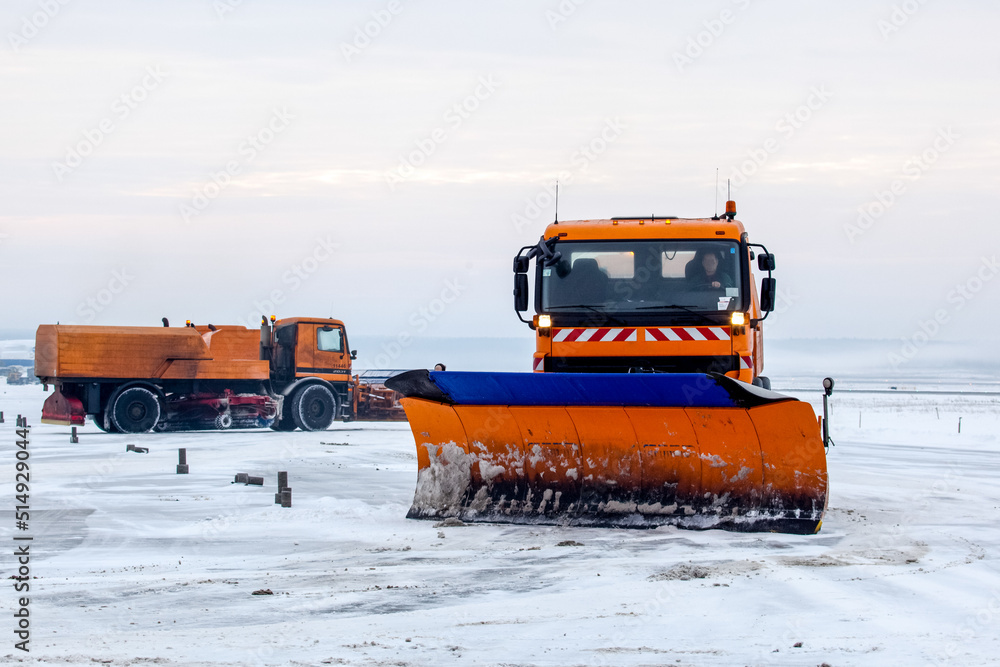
675	364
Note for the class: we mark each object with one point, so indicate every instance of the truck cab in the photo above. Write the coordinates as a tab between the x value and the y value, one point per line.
310	348
629	295
311	368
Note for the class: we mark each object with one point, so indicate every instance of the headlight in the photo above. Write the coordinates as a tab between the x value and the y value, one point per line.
739	319
544	321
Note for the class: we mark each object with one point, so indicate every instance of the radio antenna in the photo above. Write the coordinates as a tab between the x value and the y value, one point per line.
557	203
716	194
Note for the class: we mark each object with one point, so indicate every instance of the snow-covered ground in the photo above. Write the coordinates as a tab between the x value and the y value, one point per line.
138	565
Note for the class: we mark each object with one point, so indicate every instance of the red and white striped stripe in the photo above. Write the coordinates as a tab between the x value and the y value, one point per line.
686	333
538	363
594	336
746	363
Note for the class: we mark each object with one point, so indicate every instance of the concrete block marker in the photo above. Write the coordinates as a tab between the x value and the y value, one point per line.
73	438
137	450
281	497
244	478
182	466
282	483
1	416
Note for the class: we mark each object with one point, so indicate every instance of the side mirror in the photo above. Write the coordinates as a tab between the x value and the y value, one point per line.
767	294
521	264
520	292
354	354
765	261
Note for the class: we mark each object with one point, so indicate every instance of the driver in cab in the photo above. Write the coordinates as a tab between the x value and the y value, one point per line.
704	273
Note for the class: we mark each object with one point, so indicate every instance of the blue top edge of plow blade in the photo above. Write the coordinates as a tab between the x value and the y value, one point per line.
597	389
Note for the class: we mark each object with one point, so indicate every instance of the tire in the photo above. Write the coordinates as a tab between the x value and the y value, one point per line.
136	410
314	408
224	421
763	382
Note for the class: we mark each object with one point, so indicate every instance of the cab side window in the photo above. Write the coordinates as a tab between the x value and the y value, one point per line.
329	340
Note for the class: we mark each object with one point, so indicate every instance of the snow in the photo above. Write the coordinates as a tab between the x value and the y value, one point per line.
444	483
138	565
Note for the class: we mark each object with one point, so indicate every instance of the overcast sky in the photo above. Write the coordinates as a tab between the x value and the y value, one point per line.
211	159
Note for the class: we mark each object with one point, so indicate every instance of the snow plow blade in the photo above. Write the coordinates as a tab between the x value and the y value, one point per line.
626	450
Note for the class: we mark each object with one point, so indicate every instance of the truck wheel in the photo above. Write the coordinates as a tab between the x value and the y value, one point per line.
136	410
223	421
762	381
314	408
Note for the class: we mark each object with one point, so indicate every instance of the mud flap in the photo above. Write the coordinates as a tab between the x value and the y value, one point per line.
63	410
697	451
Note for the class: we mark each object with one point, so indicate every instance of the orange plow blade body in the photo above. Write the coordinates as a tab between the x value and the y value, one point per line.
693	450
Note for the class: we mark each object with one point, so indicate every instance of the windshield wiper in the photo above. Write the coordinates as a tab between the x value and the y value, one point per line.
687	309
609	318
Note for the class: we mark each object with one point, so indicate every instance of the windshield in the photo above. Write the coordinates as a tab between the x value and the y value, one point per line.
635	276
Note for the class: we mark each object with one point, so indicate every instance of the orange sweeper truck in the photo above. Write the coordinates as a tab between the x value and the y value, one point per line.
647	405
293	373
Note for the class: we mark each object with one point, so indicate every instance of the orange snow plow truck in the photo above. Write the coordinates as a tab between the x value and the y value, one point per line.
294	373
646	407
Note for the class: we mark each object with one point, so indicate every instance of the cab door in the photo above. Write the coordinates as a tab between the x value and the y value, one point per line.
285	353
323	352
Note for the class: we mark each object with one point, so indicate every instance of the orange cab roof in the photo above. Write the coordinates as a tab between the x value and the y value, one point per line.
645	228
307	320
